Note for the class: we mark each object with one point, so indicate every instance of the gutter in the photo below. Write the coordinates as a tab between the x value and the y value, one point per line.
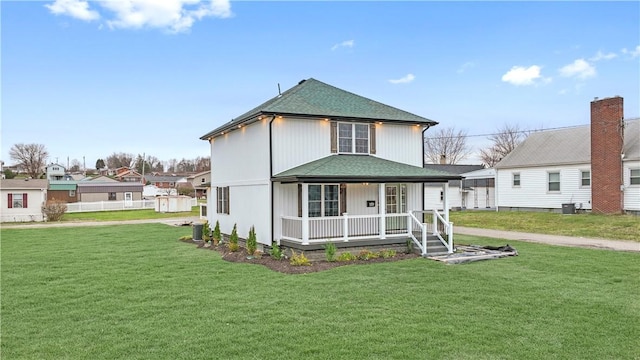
423	164
273	117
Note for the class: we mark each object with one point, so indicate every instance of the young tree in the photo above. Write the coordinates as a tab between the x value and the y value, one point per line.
503	141
446	144
32	157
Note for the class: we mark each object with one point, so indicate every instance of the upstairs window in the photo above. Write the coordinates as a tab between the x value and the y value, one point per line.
353	138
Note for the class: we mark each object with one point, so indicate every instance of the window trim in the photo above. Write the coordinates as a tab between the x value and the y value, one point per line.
582	178
13	198
109	197
354	138
549	173
222	200
323	201
631	177
513	179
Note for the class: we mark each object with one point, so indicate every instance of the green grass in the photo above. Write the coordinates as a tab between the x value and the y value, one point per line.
620	227
127	215
135	292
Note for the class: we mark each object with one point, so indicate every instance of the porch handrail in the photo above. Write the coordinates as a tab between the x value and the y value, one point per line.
423	232
448	227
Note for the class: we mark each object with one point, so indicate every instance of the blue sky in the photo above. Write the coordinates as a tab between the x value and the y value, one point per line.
87	79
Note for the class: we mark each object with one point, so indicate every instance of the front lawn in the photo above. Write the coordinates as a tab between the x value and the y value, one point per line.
128	215
136	292
618	227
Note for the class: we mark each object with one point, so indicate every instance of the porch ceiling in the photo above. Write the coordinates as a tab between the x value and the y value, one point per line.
361	168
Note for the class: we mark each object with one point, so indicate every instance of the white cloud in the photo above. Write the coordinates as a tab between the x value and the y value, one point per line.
602	56
75	8
520	75
465	66
403	80
346	43
634	52
174	15
580	69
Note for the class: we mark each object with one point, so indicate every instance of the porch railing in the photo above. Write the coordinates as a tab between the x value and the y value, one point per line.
415	225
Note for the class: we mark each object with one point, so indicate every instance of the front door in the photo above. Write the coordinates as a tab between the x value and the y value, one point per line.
128	199
396	200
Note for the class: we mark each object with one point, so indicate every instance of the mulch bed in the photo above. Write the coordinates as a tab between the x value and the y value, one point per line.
285	267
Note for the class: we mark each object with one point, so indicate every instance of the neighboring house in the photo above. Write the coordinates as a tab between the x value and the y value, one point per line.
593	167
201	182
163	181
23	199
101	178
129	175
91	191
56	172
480	188
318	164
63	190
457	195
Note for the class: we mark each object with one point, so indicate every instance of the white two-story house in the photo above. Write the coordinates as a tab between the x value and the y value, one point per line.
318	164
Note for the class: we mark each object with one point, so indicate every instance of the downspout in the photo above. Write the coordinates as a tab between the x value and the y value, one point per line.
425	129
271	177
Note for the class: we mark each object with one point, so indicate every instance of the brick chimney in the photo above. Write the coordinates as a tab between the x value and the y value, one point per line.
607	139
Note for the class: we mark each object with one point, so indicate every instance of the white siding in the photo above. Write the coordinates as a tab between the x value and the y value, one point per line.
357	196
299	141
532	192
240	160
33	212
477	198
631	192
401	143
432	197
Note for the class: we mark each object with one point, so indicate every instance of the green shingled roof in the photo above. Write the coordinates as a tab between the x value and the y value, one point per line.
361	168
313	98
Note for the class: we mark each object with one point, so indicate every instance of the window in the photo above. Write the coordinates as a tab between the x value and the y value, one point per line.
585	178
353	138
634	177
516	179
72	193
554	181
112	196
324	200
17	201
223	199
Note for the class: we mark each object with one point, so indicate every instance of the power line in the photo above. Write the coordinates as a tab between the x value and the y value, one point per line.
515	132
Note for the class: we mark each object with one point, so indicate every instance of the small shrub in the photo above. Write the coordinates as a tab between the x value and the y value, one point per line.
233	239
54	210
275	251
409	246
347	256
216	233
185	238
206	231
299	259
252	243
386	254
330	252
233	247
367	255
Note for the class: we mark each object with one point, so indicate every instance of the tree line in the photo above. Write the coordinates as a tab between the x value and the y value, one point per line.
33	158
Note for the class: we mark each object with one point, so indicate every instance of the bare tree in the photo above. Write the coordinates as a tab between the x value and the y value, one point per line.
32	157
172	165
503	141
151	163
117	160
75	165
203	163
446	145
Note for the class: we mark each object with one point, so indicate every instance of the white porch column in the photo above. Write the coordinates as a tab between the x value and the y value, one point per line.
382	210
445	201
305	214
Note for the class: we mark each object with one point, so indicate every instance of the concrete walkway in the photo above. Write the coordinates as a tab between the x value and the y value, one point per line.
619	245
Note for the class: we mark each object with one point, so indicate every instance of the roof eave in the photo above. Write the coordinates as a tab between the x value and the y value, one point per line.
364	179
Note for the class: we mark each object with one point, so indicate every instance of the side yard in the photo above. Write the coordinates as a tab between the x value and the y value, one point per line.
617	227
135	291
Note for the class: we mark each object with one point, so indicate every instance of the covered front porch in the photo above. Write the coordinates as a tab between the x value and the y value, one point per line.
360	201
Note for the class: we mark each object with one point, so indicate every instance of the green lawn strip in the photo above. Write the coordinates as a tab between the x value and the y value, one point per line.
135	292
620	227
127	215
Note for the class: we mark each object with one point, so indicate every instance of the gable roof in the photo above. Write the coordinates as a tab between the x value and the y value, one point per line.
453	168
313	98
566	146
20	184
361	168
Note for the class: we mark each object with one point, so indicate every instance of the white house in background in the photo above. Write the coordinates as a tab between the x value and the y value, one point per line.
318	164
593	167
22	199
480	189
458	194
